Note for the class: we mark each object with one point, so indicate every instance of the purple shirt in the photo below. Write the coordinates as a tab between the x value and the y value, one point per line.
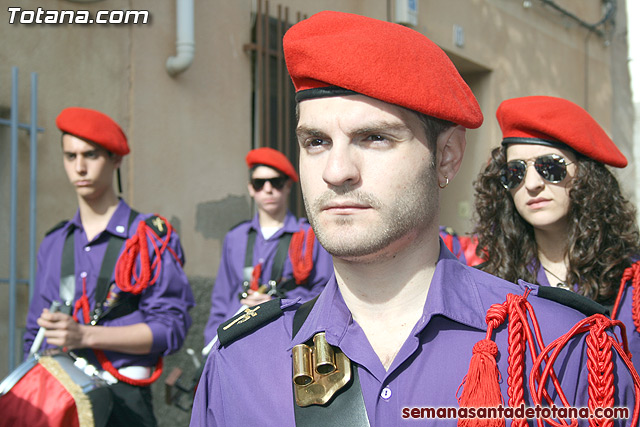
224	297
249	381
624	315
164	306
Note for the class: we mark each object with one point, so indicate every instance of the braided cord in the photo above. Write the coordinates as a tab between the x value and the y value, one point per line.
600	367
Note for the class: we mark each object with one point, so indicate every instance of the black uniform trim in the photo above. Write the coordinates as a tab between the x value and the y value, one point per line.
248	320
158	225
58	226
301	315
323	92
586	306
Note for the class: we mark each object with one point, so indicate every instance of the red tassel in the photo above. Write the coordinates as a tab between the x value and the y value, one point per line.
481	385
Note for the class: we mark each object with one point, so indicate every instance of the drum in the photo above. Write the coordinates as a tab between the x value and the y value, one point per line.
53	391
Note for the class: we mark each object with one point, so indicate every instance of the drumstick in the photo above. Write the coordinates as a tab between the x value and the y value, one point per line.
37	341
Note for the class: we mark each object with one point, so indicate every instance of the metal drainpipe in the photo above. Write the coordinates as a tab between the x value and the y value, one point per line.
185	44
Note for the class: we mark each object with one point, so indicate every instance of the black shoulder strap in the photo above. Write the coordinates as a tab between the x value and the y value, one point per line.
56	227
301	315
571	299
346	408
248	320
281	256
278	260
107	268
67	269
248	254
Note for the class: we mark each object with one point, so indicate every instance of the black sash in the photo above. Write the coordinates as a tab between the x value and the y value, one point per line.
127	304
346	408
278	260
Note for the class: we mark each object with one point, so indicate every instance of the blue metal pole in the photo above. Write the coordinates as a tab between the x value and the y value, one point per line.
13	218
33	184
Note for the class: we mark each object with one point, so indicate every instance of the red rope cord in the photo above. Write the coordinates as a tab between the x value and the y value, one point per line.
108	366
534	338
596	321
129	280
515	369
82	304
302	263
632	274
600	367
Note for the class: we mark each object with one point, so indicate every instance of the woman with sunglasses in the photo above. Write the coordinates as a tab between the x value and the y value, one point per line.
274	254
549	211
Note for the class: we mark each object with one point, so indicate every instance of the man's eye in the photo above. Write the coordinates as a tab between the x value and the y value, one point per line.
315	142
378	139
91	155
69	156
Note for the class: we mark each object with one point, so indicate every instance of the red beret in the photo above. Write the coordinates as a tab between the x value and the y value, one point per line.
545	119
389	62
273	158
93	126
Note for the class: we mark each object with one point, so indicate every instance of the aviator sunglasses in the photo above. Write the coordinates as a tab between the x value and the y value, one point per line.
277	182
550	167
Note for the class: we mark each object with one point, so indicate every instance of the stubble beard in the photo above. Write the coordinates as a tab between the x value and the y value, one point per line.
348	237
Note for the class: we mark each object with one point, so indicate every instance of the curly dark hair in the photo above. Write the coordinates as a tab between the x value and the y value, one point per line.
603	232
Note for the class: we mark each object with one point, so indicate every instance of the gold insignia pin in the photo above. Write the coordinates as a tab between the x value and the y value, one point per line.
248	314
319	371
159	224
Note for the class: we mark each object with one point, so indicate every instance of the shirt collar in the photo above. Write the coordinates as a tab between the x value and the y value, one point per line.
118	224
453	293
290	225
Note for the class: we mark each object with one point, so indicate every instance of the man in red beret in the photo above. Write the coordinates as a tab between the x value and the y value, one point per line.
273	254
381	130
122	321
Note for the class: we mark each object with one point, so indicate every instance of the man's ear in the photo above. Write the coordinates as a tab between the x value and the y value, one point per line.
117	161
451	144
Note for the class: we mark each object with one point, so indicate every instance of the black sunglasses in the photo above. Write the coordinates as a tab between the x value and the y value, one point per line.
551	167
277	182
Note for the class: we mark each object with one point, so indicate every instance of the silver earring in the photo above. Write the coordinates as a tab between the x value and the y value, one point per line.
445	183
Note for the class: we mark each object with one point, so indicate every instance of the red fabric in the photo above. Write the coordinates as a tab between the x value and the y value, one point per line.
448	242
95	127
255	277
38	399
558	120
469	245
273	158
379	59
